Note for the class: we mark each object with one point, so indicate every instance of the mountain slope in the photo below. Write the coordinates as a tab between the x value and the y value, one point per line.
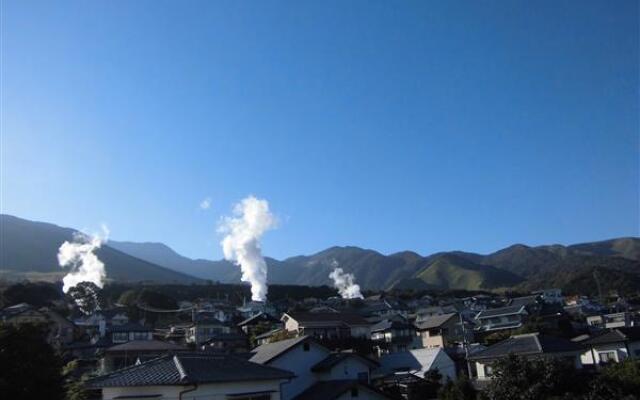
27	246
454	272
32	247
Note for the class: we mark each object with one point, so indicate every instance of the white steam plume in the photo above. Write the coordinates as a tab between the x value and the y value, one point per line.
79	255
345	283
241	244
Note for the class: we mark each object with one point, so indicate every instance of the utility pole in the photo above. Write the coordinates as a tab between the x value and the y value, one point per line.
465	345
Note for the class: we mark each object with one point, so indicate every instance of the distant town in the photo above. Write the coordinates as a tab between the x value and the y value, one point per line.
134	341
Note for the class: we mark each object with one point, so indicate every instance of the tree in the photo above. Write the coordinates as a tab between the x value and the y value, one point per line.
30	367
517	378
38	294
617	381
460	389
88	296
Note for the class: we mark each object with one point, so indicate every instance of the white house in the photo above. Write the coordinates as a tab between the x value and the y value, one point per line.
613	345
313	364
193	376
418	362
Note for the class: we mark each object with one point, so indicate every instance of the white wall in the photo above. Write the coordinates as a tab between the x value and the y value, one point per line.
346	369
208	391
299	362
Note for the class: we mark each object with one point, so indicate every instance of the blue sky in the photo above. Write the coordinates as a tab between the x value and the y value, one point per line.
389	125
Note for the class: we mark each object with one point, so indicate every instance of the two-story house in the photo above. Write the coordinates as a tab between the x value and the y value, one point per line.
327	325
443	330
495	319
394	335
317	370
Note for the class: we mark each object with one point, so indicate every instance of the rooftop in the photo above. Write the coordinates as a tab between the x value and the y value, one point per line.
496	312
268	351
185	369
527	344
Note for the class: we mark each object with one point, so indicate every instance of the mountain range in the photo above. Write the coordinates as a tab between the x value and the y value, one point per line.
28	247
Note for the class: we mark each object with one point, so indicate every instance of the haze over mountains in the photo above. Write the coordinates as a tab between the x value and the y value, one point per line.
27	247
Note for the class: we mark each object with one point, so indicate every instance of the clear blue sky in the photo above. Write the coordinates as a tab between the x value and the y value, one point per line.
384	124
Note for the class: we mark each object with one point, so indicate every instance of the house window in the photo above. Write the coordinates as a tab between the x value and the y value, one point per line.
363	377
120	336
354	392
140	336
305	347
608	356
488	370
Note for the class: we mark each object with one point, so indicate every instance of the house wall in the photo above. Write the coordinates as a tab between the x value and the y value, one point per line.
291	325
299	362
208	391
586	358
361	331
350	368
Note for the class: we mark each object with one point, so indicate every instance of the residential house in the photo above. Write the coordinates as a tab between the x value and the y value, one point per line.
327	325
204	328
612	345
193	376
551	296
259	323
495	319
128	332
428	312
530	345
60	331
394	335
230	342
126	354
313	363
418	362
610	321
443	331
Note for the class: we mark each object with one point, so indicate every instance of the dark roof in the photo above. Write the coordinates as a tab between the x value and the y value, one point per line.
494	312
390	324
617	335
523	301
434	321
527	344
185	369
268	351
339	318
129	327
328	390
259	317
334	358
230	336
146	345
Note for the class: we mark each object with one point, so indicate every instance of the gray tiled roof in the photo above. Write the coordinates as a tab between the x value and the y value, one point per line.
268	351
617	335
184	369
527	344
338	318
434	321
146	345
494	312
